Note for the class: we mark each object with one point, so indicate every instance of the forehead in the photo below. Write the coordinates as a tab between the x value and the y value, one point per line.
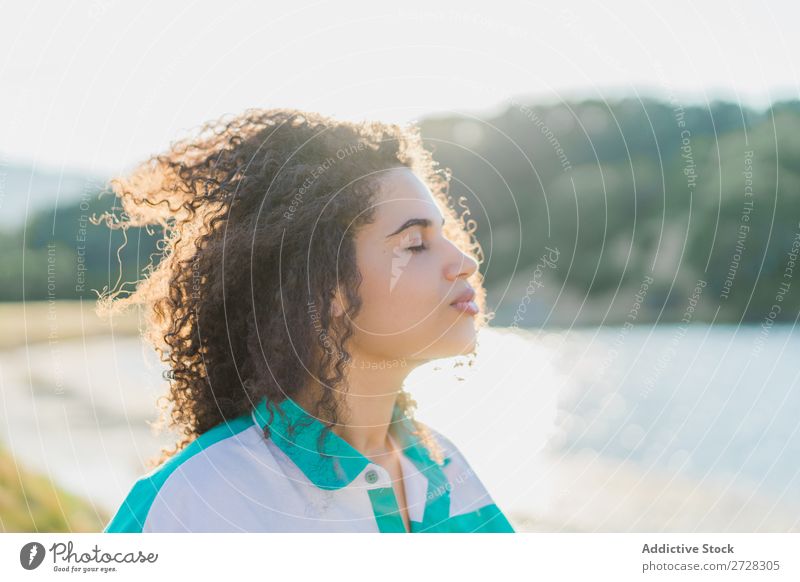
401	192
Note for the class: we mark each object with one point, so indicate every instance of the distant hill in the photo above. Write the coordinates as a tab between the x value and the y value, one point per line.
26	190
61	255
654	210
626	191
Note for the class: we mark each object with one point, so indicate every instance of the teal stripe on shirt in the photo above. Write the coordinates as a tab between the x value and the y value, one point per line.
133	512
487	519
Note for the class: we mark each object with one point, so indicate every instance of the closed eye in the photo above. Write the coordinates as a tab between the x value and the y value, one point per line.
417	249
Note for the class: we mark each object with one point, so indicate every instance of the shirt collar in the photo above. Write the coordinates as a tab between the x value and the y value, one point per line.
344	462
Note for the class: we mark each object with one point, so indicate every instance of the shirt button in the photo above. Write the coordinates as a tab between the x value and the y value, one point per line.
371	476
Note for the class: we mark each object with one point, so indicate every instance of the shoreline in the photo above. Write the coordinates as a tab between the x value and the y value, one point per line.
97	398
33	322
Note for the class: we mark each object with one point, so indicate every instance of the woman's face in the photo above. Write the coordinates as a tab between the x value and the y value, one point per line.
412	275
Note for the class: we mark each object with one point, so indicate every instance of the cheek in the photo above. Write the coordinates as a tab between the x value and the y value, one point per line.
398	295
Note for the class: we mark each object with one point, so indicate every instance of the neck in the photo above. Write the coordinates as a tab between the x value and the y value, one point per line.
367	403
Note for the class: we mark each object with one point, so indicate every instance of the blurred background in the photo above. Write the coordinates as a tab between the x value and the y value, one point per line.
634	172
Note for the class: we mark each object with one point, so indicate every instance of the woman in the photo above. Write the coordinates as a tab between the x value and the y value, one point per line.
310	265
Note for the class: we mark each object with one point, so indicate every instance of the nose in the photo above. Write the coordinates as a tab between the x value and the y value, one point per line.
462	265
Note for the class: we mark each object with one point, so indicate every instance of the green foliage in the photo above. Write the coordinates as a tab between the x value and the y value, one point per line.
60	254
625	190
631	189
32	503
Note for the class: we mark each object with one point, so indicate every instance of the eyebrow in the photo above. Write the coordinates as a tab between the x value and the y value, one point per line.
424	222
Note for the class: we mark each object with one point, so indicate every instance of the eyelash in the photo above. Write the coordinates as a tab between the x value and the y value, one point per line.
417	249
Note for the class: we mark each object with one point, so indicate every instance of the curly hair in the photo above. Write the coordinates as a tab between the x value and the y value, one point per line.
259	213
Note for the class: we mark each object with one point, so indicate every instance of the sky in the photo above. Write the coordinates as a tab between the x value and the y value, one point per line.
97	86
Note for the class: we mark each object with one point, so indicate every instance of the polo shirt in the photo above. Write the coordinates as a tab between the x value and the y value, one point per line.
233	479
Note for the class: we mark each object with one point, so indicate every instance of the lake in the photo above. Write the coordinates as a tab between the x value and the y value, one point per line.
603	429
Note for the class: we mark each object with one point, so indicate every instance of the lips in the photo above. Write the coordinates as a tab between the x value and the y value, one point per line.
465	303
467	295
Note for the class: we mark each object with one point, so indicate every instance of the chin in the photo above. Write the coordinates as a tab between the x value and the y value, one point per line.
451	346
463	345
470	346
